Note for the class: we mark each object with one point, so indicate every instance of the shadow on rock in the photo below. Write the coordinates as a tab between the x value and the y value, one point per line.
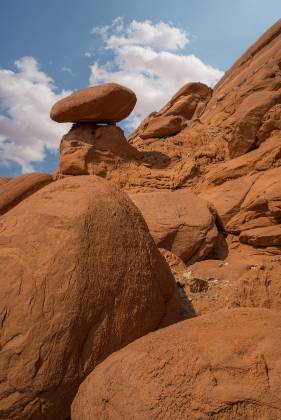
155	159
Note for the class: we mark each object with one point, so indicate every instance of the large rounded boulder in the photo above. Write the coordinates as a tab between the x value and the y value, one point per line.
80	277
224	365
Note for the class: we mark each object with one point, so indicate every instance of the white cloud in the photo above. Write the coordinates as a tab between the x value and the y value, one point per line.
149	59
26	130
161	35
68	70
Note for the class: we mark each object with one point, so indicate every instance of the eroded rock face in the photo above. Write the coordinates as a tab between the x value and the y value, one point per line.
180	222
192	370
89	149
229	196
80	278
108	103
4	179
162	127
232	131
247	94
243	279
189	102
261	207
262	236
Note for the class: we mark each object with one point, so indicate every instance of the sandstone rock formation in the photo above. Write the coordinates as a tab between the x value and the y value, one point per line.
177	266
189	102
239	119
180	222
90	149
94	145
247	94
20	187
224	365
241	280
80	278
80	264
225	146
4	180
108	103
230	155
162	127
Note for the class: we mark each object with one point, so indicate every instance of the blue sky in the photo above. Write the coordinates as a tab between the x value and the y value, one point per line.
57	50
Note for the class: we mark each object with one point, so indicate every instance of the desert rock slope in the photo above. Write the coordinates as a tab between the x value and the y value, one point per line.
179	224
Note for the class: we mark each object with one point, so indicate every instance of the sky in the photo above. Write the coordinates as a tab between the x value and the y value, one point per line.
49	49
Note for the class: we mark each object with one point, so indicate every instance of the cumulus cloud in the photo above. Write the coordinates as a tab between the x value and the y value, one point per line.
149	58
161	35
26	131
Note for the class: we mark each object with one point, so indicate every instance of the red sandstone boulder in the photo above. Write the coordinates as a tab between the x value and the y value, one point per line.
162	127
224	365
108	103
180	222
20	187
80	278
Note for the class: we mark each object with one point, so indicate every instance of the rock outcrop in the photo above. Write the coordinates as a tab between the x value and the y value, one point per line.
188	103
232	131
180	222
225	365
80	278
243	279
224	145
247	94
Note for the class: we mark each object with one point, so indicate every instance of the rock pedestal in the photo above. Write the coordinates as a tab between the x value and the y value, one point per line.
94	144
92	149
